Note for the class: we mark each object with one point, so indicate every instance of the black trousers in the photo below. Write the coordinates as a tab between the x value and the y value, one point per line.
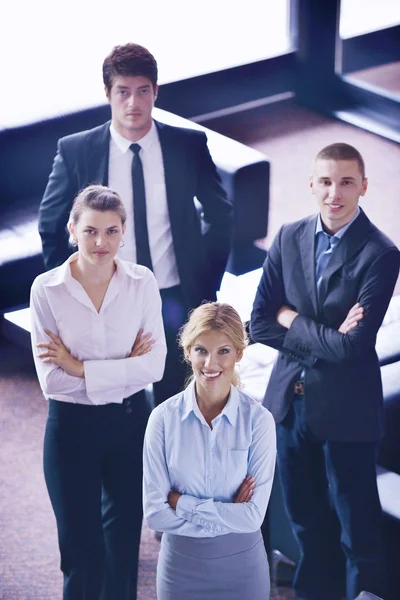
93	472
174	312
331	495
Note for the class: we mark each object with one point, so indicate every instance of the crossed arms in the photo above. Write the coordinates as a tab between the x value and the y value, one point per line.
184	514
304	339
61	373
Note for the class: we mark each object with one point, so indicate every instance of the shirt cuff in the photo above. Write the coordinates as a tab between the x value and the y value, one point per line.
103	375
186	506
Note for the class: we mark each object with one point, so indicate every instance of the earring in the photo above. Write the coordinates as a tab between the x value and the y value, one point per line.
74	242
122	244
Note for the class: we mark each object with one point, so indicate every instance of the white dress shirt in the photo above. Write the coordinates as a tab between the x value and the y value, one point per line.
182	453
102	340
158	223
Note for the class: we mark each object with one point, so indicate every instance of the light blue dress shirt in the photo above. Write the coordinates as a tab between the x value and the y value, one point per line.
323	251
182	453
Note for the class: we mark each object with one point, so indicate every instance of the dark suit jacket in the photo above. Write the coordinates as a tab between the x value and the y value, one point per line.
201	245
343	396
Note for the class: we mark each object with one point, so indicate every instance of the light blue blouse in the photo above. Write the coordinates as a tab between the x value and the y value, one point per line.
182	453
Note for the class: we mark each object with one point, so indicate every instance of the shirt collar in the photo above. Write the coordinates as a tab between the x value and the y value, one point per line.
339	234
190	404
145	142
128	269
62	274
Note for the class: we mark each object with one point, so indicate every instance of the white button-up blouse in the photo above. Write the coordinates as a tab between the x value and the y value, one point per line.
102	340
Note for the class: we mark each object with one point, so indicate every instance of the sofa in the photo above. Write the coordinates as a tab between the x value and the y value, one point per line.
26	156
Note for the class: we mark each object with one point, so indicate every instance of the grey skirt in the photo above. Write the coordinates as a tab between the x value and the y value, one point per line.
227	567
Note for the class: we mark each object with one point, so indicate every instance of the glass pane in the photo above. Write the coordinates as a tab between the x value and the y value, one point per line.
367	60
57	49
363	16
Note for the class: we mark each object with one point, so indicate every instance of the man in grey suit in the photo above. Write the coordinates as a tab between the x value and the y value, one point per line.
325	288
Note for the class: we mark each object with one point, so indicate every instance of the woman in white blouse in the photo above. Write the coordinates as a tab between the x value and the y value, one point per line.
93	362
209	458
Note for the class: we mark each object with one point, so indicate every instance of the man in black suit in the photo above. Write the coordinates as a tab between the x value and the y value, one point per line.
188	254
158	171
325	288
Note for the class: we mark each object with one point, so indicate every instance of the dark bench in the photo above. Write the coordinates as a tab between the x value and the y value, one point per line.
26	157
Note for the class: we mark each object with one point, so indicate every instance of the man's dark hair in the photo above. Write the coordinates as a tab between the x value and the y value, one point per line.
341	151
130	59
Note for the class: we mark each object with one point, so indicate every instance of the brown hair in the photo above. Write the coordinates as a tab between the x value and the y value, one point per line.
129	60
341	151
97	197
214	316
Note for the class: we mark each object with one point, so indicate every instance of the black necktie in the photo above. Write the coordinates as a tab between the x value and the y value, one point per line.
143	256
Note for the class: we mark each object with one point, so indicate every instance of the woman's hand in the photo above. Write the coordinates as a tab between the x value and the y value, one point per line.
55	352
173	498
142	345
245	492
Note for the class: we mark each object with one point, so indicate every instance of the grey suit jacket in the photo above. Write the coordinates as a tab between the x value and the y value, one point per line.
201	245
343	390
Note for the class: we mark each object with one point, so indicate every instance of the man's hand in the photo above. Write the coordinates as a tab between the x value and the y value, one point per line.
285	316
142	345
173	498
245	492
355	314
55	352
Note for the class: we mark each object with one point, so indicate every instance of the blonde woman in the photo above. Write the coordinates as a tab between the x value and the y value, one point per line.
209	458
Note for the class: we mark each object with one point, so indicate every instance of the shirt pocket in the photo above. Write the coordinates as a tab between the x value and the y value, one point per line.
236	469
343	275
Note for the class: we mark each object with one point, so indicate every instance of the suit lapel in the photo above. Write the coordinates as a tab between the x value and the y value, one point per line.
307	250
354	238
98	154
173	173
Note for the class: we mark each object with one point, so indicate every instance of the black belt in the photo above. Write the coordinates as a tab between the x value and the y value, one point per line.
299	388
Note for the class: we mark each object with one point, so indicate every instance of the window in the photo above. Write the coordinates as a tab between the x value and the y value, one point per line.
55	52
358	16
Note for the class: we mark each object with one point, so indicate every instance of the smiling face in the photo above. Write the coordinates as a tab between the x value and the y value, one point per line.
132	100
337	185
98	235
213	357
